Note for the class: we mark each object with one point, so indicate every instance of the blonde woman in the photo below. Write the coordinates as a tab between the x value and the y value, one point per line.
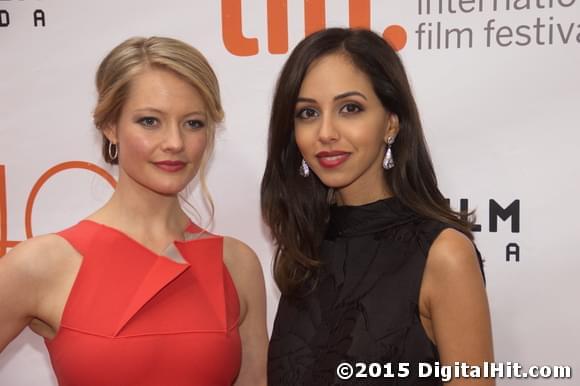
136	293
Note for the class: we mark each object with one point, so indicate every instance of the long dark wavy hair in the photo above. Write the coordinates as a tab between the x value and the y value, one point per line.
297	209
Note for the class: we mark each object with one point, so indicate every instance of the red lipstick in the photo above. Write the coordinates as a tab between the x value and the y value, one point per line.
170	166
331	159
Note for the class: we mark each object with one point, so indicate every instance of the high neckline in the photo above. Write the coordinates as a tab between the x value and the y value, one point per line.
357	220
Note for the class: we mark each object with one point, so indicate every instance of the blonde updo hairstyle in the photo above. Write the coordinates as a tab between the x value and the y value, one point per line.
133	56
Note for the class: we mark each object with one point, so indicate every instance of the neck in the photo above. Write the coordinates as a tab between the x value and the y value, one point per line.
361	193
141	210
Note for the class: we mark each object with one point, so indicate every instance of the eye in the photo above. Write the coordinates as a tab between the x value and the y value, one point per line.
306	113
148	121
195	124
351	108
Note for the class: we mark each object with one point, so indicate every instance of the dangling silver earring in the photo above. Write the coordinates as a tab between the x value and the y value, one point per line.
388	162
304	169
113	156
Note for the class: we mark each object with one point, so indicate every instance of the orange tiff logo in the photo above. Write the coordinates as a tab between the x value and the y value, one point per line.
314	20
4	242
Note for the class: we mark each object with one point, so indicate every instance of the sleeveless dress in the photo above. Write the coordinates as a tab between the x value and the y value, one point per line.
137	318
364	304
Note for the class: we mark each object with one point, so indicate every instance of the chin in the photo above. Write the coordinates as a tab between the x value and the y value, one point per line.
335	182
166	189
170	185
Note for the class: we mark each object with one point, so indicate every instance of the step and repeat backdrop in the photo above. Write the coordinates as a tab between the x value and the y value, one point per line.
498	87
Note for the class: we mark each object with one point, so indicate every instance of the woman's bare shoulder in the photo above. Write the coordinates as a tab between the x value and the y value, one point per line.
452	253
452	273
39	256
240	258
244	267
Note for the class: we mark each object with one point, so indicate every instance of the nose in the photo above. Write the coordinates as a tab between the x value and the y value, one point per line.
328	132
173	140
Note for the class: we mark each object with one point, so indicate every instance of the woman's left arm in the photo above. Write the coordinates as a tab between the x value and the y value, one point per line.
246	271
455	297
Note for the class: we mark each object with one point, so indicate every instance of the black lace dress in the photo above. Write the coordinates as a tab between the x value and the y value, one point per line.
364	307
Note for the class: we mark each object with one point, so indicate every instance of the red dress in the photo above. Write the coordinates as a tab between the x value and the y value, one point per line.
137	318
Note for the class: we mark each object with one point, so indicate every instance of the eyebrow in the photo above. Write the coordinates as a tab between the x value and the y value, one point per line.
152	109
339	96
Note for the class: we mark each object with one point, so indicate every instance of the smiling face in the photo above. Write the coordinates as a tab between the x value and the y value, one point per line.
161	132
341	129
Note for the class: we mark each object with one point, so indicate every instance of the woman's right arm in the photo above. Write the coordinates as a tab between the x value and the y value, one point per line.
22	279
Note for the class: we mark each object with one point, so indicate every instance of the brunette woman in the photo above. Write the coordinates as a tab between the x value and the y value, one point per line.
374	267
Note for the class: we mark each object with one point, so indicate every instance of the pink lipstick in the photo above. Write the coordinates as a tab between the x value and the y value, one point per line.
331	159
170	166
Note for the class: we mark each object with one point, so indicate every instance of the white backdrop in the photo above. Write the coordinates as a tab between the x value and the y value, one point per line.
496	81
